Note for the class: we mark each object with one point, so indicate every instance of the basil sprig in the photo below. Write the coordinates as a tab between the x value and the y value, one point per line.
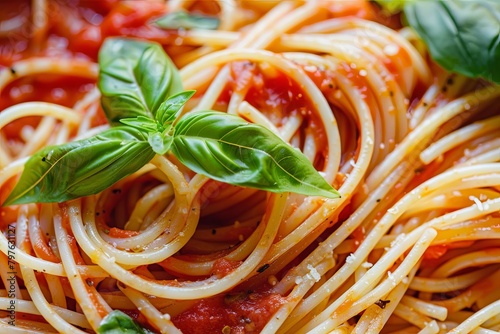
142	98
117	322
161	131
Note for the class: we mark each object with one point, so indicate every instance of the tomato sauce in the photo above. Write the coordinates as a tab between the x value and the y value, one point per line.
223	266
436	251
241	312
8	214
357	8
130	18
119	233
62	90
277	97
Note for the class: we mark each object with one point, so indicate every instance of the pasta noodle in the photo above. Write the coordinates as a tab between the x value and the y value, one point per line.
412	244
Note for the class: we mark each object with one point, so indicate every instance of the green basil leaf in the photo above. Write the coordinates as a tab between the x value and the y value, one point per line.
462	36
168	110
227	148
160	142
81	168
117	322
135	77
184	20
141	123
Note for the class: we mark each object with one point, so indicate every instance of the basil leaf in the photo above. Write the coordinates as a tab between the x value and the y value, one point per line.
183	20
168	110
462	36
81	168
117	322
135	77
160	142
141	123
228	149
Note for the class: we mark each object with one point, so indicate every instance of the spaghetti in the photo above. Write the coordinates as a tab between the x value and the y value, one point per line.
412	245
